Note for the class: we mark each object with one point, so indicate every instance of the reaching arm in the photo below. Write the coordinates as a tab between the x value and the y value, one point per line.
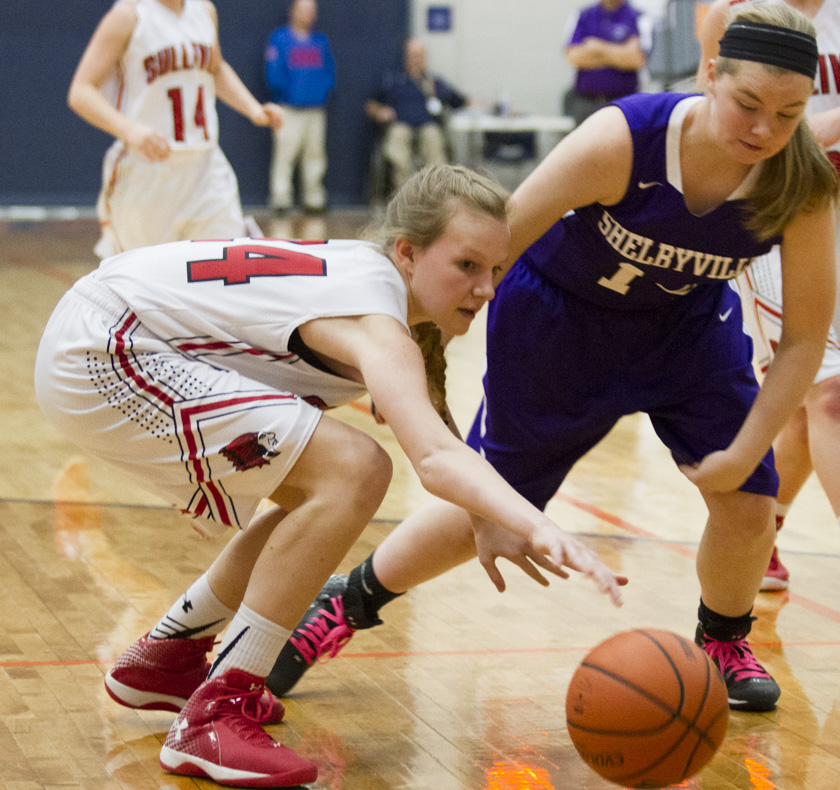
808	290
232	91
391	365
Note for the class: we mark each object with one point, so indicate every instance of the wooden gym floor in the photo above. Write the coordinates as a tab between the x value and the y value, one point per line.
461	689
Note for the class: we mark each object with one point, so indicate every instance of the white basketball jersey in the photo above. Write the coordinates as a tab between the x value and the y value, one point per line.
164	77
827	84
236	304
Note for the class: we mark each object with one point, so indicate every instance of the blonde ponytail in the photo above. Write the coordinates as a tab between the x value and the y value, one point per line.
428	337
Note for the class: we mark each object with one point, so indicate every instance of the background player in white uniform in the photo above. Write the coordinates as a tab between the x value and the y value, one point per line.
150	76
195	366
810	441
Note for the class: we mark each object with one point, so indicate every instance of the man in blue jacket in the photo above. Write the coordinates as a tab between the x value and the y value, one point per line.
410	104
300	73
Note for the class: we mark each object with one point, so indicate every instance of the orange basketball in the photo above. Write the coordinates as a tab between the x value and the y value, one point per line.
647	708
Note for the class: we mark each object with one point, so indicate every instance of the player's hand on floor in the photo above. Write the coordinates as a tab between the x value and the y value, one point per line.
493	542
567	551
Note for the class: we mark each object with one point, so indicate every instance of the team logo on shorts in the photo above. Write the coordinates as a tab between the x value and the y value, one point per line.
251	450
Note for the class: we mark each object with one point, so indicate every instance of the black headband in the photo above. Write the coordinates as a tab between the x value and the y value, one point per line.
777	46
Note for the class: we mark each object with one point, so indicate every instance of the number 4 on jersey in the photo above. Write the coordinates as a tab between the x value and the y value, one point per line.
240	263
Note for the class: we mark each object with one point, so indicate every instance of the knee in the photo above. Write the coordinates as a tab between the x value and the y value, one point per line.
824	399
740	516
796	428
375	469
365	469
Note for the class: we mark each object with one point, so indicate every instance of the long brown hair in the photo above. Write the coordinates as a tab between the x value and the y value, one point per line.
800	177
419	212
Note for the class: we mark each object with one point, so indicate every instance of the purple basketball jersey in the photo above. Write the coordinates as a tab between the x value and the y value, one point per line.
648	249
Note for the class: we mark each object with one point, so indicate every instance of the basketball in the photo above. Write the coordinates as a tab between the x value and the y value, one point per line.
647	708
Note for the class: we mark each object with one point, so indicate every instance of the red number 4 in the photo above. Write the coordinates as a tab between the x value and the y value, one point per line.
240	263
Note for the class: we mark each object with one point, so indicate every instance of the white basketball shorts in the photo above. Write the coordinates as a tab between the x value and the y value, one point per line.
209	441
190	195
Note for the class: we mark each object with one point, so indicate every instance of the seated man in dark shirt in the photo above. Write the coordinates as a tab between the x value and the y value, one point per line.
411	103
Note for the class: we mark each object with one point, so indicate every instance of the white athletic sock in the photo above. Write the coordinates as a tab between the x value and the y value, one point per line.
251	644
198	613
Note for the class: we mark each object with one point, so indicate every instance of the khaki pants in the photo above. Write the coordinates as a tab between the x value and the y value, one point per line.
302	136
399	143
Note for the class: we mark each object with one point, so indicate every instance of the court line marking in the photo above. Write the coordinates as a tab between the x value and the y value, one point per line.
635	531
106	662
828	612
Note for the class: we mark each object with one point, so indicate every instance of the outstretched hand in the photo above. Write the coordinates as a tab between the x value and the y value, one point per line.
493	541
550	549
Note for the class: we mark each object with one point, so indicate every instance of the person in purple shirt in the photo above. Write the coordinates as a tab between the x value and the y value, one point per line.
300	73
607	52
628	237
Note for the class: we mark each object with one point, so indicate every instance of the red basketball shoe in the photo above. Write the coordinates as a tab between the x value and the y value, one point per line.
218	735
162	674
776	577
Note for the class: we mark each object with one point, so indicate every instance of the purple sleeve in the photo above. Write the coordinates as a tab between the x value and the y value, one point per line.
579	32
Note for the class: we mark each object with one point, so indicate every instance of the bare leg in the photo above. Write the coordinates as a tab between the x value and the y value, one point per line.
822	404
228	575
733	556
336	486
268	574
432	540
793	457
340	481
735	550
